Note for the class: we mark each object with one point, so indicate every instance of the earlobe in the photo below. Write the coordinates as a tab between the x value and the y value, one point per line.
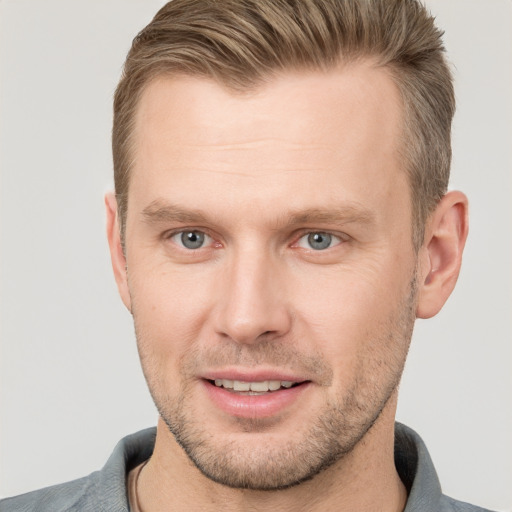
117	255
441	254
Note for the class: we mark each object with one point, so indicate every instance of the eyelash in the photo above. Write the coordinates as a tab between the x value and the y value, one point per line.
174	234
337	239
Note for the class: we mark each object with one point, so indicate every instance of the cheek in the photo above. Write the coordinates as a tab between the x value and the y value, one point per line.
342	300
168	319
350	315
169	309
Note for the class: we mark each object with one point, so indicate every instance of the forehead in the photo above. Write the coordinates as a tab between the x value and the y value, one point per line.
358	93
331	134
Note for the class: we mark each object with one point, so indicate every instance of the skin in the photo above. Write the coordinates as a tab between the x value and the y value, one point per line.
306	153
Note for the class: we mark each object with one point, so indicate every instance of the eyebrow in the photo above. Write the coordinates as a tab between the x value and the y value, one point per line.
343	214
161	211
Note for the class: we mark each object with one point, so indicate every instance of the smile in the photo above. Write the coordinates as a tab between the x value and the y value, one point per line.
253	398
255	387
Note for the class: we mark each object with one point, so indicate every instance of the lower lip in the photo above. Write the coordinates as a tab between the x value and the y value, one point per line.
254	406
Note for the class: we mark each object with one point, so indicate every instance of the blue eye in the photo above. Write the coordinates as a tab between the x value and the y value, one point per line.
190	239
318	241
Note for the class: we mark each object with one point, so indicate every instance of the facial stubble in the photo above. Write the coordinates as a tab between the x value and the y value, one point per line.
268	465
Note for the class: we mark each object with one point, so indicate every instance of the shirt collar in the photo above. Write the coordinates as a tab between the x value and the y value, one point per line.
412	461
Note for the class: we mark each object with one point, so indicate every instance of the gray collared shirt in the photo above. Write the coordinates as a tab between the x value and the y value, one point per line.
105	490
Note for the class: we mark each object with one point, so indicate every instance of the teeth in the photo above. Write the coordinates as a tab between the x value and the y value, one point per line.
227	383
239	385
274	385
260	387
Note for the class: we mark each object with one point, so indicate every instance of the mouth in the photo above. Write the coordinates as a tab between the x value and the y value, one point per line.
254	387
254	398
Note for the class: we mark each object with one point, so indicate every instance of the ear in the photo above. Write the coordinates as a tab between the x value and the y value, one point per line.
441	254
116	250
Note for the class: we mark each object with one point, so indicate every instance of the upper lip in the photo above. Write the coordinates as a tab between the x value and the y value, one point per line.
252	375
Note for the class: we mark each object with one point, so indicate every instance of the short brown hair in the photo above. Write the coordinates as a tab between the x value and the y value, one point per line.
241	43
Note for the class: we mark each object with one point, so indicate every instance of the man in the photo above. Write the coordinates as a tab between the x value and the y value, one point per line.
280	219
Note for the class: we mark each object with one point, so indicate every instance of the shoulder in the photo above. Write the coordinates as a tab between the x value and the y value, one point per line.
451	505
419	476
101	491
75	495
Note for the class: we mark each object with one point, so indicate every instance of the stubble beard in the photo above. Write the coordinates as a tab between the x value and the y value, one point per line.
332	435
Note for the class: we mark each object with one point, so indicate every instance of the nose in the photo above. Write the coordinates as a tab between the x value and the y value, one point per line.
252	299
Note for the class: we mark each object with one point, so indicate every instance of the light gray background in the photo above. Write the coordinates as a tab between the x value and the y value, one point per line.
70	380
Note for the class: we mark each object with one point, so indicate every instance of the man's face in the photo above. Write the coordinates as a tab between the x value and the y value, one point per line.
268	245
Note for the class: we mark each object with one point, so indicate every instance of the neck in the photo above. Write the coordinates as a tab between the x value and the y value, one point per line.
363	480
